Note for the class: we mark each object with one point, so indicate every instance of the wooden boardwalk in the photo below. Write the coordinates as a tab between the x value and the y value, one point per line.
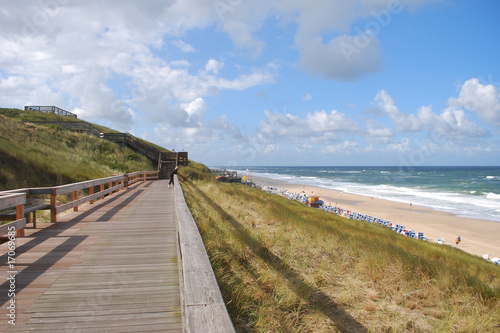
112	266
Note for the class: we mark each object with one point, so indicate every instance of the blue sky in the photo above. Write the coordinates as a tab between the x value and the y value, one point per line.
284	82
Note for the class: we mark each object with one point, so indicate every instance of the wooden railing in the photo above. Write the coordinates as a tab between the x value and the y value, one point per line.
18	201
51	109
96	190
203	308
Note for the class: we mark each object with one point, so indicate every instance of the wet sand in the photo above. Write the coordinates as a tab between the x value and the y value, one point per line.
479	237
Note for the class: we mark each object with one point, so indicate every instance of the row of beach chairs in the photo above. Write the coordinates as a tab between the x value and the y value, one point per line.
400	229
304	198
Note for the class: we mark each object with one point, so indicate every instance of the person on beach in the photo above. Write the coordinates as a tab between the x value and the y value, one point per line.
458	240
171	182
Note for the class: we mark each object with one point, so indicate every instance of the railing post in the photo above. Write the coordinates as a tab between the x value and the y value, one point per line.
75	197
20	215
102	189
53	203
110	185
125	180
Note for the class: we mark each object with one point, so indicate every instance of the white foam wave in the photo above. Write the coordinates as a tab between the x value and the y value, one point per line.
493	196
466	205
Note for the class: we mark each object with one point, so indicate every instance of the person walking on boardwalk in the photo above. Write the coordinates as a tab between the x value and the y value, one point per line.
171	182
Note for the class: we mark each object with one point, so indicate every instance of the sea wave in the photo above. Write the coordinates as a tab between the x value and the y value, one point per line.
437	191
493	196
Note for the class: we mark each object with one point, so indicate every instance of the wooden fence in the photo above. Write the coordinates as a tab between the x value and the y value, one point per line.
87	191
203	308
18	201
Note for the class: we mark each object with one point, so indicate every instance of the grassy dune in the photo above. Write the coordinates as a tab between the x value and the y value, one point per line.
284	267
33	156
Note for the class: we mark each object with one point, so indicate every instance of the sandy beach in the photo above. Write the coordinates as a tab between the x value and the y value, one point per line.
479	237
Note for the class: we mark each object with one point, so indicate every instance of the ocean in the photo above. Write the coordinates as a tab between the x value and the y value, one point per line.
472	192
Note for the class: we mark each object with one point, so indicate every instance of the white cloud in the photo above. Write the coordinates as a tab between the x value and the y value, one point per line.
484	100
318	126
213	66
451	122
378	134
195	112
403	122
352	52
183	46
18	91
77	50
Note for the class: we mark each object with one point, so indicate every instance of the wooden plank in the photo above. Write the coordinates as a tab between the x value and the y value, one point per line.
112	272
18	224
12	200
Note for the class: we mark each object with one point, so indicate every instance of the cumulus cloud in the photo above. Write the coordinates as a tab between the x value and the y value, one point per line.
402	121
213	66
452	121
336	39
484	100
107	67
195	111
378	134
318	126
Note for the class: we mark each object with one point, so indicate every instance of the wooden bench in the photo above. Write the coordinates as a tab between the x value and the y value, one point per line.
11	214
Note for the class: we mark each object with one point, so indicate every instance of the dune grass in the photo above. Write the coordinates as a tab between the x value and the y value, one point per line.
34	156
284	267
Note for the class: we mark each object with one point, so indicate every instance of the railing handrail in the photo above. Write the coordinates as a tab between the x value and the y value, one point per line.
203	308
18	197
68	188
11	200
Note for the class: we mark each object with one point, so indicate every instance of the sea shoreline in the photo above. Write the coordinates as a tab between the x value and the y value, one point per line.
478	236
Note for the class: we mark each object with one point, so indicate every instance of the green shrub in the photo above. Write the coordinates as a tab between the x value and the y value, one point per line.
12	113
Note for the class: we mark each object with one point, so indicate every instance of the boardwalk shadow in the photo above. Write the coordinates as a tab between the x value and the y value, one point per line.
110	213
309	293
36	269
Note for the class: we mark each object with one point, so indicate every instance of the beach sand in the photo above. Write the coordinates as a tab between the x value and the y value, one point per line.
479	237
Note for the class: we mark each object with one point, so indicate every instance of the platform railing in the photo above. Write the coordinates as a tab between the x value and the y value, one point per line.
18	201
82	192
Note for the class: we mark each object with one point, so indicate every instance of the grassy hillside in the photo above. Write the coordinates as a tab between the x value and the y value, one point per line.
34	156
284	267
